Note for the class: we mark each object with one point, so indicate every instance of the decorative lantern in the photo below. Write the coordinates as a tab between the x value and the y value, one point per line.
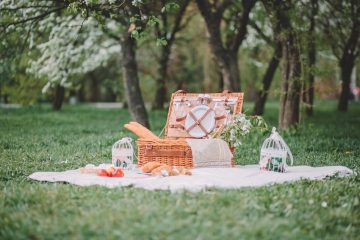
274	153
123	153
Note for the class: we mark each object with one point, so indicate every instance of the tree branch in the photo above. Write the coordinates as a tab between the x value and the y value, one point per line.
38	17
177	22
263	36
187	20
244	19
221	6
23	7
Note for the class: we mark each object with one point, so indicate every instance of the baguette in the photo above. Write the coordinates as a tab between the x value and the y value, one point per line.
89	170
147	131
140	132
136	130
148	167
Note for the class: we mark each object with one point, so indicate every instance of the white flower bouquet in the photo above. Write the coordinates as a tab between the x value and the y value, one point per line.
234	132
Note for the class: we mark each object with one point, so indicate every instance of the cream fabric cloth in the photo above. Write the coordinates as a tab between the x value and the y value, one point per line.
210	153
202	178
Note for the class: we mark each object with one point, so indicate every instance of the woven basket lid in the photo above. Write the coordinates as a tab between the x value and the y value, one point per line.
181	96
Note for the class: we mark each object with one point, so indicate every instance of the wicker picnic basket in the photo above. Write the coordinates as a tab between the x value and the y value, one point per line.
173	149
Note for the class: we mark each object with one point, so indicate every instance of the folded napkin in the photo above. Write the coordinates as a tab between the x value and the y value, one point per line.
210	153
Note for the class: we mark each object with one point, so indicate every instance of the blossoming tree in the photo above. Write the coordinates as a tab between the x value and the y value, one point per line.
75	37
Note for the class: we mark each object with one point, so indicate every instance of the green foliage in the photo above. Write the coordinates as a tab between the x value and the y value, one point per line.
79	135
161	42
24	90
153	21
338	21
75	8
170	7
135	18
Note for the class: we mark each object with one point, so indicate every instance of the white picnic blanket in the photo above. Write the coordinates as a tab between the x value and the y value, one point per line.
202	178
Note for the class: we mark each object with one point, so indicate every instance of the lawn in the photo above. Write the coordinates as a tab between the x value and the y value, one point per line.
37	139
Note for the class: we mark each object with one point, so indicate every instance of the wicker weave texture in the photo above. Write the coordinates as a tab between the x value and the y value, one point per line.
163	152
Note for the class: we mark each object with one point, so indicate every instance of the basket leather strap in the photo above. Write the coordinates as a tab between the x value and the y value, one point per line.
198	121
177	126
226	101
180	119
220	117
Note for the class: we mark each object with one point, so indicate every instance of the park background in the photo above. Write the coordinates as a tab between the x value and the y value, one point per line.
72	71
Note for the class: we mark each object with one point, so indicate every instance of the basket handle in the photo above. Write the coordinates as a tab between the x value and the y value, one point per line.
184	91
180	91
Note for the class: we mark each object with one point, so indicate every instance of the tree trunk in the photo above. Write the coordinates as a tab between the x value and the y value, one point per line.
225	58
309	85
181	85
228	64
169	35
6	98
234	75
58	99
279	13
131	81
206	69
347	63
80	93
346	66
161	90
289	114
221	83
94	87
59	92
267	80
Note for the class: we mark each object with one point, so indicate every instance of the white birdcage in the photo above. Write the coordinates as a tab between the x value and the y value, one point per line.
123	153
274	153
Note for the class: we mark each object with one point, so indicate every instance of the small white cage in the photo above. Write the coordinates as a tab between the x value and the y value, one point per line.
123	153
274	153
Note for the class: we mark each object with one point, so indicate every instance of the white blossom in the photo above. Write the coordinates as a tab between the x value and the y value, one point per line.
70	45
75	47
239	128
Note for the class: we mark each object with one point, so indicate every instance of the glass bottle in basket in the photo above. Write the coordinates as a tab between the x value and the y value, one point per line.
123	153
229	114
219	108
180	109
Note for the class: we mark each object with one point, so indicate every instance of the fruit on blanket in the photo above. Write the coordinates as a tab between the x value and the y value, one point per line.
148	167
111	172
183	171
118	173
102	173
164	170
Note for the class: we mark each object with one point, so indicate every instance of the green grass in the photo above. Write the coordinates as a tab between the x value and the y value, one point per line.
37	139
